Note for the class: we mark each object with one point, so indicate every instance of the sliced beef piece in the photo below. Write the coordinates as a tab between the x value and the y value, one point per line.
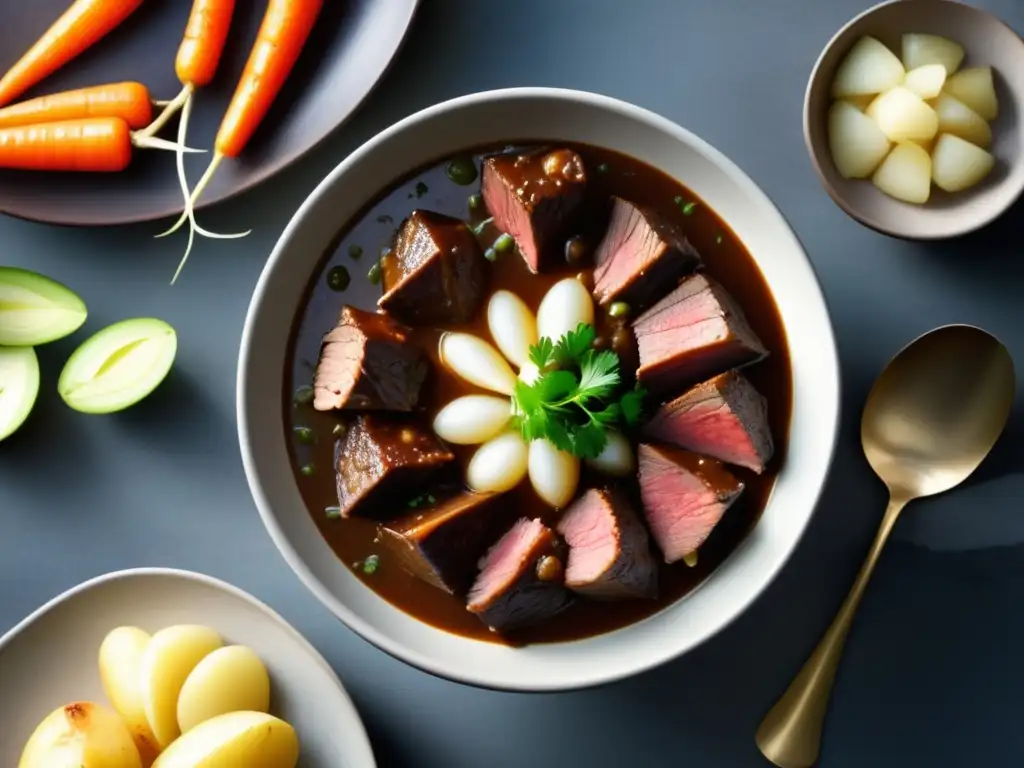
609	550
693	333
724	417
534	197
366	363
684	496
442	543
381	462
642	256
521	579
435	271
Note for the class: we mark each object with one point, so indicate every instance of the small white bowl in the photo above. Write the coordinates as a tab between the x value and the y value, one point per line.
50	658
549	115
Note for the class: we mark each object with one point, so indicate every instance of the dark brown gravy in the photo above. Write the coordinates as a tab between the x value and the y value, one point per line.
609	172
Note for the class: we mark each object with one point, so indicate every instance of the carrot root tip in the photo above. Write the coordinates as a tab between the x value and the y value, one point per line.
155	142
170	109
188	215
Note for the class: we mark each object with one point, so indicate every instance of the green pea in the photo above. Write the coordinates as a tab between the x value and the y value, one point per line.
575	249
332	513
475	202
307	469
355	252
678	200
491	255
303	434
370	564
618	309
504	243
462	171
338	278
718	240
688	208
303	395
374	274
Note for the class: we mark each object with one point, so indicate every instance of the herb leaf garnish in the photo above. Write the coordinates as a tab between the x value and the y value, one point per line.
572	402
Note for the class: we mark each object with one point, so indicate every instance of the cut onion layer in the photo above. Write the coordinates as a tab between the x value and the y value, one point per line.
19	387
118	366
36	310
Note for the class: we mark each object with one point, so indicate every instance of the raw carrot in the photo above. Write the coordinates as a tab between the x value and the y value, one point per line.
129	101
199	53
85	144
205	34
283	33
79	28
285	28
196	64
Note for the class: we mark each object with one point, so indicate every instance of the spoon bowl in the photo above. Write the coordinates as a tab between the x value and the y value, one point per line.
938	409
929	421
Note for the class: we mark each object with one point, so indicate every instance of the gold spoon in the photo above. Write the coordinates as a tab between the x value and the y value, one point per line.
929	421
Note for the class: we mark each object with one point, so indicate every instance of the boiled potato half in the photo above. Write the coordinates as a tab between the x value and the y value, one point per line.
926	81
231	679
856	142
120	663
235	740
904	116
957	164
975	88
869	67
919	50
168	660
906	174
957	118
861	102
80	735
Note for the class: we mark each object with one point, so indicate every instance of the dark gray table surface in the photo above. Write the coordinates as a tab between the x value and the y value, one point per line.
934	669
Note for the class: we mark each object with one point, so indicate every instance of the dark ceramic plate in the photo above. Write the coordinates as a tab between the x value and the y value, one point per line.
347	53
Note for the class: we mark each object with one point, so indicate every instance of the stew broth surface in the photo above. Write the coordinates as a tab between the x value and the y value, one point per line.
342	279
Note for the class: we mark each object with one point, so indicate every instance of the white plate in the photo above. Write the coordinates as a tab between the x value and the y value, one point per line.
549	115
50	658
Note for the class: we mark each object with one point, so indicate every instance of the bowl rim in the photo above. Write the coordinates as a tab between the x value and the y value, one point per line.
262	293
869	221
358	728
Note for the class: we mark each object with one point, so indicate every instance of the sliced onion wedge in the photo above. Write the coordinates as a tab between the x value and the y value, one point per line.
512	326
554	474
118	366
474	360
566	304
19	386
617	456
498	465
472	419
35	309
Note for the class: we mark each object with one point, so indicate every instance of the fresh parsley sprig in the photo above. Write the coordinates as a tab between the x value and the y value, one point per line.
571	401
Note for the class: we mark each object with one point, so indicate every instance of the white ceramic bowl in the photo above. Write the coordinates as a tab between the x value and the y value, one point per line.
551	115
50	658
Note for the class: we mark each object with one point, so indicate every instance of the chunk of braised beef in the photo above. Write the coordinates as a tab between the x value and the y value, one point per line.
367	363
521	579
435	272
535	197
382	461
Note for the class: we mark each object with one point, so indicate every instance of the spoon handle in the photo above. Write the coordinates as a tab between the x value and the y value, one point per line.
790	734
